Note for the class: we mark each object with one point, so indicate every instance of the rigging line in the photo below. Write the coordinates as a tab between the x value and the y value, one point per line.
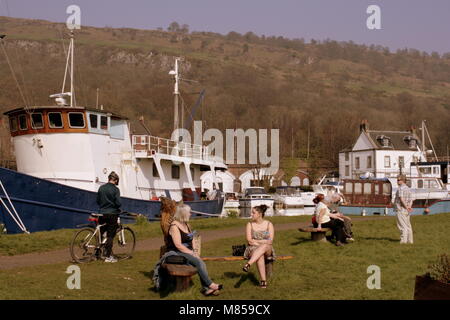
12	72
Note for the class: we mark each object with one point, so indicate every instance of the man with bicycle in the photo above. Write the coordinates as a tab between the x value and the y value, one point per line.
108	199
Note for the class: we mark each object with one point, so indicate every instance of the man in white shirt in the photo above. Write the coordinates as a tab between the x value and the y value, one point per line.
403	208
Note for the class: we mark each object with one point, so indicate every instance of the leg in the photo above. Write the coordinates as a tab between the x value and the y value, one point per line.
401	224
111	229
261	264
410	231
201	268
259	252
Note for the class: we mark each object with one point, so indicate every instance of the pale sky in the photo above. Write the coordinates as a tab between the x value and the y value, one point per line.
419	24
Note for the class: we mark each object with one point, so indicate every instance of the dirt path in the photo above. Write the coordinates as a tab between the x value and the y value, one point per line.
63	255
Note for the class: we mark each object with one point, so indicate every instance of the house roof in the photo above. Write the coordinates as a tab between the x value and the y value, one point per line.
398	140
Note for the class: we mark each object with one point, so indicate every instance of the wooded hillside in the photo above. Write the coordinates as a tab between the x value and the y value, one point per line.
250	82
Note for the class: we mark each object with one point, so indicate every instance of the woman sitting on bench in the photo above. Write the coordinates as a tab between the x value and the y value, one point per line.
324	218
180	240
260	234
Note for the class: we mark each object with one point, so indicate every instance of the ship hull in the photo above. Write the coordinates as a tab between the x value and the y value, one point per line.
45	205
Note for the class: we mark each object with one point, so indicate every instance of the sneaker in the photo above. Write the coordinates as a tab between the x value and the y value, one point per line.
110	259
350	239
339	244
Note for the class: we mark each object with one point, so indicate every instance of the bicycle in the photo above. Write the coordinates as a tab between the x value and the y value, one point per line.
88	243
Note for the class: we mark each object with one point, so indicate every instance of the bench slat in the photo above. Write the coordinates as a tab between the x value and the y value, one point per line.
179	270
237	258
312	229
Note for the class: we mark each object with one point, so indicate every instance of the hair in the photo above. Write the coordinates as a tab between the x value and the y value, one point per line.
182	213
113	176
261	209
318	198
401	177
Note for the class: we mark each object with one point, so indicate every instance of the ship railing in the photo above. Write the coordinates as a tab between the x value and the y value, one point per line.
152	145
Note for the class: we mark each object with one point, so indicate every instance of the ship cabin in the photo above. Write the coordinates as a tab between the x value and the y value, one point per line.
79	147
376	192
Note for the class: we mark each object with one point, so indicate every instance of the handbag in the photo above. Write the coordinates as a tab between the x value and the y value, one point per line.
174	259
238	250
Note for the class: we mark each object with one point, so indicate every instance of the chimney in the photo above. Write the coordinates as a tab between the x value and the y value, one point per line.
364	126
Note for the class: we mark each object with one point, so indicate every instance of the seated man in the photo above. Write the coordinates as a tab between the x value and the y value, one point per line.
333	200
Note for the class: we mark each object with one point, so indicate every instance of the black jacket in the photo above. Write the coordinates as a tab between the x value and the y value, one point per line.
108	199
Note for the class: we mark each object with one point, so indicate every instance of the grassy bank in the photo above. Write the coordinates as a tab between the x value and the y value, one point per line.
318	270
14	244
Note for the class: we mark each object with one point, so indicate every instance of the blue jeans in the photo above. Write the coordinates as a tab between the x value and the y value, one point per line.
201	268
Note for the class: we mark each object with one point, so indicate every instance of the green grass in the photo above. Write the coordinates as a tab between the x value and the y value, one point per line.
14	244
318	270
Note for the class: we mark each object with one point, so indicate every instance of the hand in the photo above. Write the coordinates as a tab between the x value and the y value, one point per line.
319	228
409	209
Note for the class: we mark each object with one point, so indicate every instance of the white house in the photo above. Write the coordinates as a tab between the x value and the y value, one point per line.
381	154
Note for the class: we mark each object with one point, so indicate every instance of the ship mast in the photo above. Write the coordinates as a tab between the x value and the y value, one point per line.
176	92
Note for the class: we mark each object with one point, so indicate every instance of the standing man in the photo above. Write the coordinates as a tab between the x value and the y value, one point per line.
403	208
108	199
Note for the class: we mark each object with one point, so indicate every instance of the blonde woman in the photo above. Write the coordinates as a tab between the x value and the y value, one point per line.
260	234
180	240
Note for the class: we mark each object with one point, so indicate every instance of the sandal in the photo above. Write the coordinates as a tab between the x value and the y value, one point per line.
211	292
263	284
246	267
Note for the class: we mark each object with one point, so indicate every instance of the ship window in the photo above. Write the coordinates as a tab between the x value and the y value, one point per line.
367	188
55	120
93	121
348	187
434	184
377	188
175	172
420	184
76	120
13	124
386	189
36	121
23	122
103	123
358	188
155	171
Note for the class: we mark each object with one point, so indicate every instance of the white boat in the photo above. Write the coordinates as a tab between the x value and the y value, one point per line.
64	153
255	196
231	205
288	201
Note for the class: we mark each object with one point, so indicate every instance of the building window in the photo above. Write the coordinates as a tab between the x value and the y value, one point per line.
55	120
36	121
104	123
13	124
347	171
23	122
155	170
413	143
76	120
387	161
369	161
93	119
192	173
401	162
436	170
175	172
347	156
385	142
357	163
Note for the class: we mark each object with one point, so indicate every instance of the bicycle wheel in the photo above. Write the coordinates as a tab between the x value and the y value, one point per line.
124	243
84	245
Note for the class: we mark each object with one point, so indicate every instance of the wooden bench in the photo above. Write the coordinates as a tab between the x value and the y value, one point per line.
268	263
181	274
315	234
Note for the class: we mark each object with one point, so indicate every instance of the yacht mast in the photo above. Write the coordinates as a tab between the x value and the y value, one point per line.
176	93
